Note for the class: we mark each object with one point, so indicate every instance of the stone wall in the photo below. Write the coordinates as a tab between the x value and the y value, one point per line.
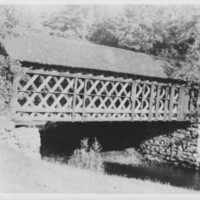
180	147
23	139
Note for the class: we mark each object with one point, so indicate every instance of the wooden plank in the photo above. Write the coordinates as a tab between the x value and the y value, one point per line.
45	110
186	102
133	98
142	101
43	121
157	102
166	103
182	97
107	111
151	102
68	110
84	98
171	102
71	93
54	73
74	99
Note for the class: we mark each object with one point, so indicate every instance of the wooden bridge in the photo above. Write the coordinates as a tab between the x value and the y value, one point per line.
50	96
111	91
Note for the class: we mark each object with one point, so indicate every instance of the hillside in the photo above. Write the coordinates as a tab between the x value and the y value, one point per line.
22	174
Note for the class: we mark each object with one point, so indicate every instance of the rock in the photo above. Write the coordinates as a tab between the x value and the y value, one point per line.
172	159
191	149
177	131
194	125
193	142
194	135
157	143
187	134
192	129
188	154
173	154
182	147
167	158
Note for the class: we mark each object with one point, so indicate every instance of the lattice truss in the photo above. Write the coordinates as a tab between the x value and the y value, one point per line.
76	97
156	101
194	101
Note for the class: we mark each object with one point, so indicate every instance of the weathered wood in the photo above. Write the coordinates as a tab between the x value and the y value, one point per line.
142	102
171	102
38	72
74	99
92	77
55	96
186	103
84	98
182	97
166	103
157	102
133	93
151	102
35	76
79	110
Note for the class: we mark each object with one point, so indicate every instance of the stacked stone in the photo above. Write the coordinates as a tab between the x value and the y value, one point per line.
180	147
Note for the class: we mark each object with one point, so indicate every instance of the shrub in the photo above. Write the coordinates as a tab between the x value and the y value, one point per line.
88	157
9	69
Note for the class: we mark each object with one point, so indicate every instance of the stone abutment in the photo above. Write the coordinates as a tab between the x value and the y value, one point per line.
179	146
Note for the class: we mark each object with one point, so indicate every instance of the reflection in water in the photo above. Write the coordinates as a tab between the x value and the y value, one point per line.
166	174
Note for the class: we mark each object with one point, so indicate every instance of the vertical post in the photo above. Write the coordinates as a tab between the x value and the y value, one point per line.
186	101
84	98
193	105
133	97
74	99
166	102
142	101
171	102
181	102
157	102
151	102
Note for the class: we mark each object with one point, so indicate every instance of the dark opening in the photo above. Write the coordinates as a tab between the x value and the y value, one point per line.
63	138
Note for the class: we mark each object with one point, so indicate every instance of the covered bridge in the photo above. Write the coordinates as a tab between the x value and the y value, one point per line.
79	81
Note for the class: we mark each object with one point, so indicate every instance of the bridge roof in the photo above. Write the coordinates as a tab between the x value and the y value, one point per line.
80	54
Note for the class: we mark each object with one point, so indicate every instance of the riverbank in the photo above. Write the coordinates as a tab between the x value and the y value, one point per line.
22	174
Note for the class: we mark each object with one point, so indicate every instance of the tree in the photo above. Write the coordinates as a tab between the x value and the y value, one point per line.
8	19
16	20
73	21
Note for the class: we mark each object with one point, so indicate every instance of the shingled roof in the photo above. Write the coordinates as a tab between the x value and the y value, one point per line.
69	53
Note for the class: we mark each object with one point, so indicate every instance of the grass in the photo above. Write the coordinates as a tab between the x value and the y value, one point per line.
22	174
88	156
